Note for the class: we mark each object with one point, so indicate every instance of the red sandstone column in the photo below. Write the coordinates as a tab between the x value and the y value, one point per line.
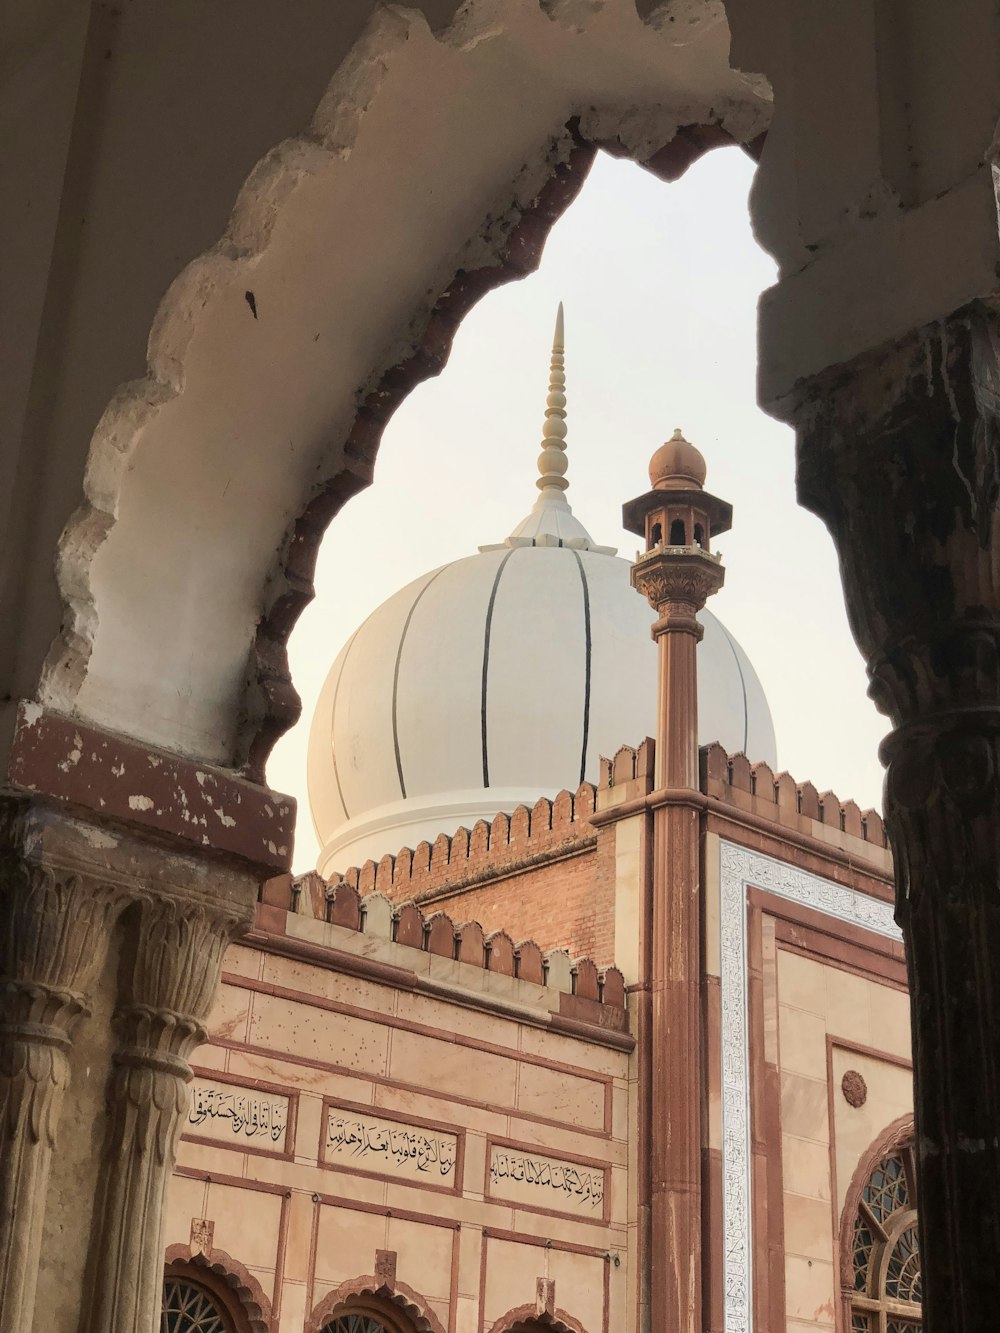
677	579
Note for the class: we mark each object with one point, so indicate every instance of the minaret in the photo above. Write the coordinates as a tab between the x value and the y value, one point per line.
677	573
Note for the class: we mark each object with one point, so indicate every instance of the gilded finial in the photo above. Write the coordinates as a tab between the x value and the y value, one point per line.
552	460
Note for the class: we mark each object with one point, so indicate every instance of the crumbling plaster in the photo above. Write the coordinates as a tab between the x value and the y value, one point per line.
420	160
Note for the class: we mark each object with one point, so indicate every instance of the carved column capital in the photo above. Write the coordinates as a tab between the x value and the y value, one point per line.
899	453
170	982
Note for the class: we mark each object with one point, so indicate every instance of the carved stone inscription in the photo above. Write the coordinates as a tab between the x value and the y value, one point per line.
545	1182
354	1138
223	1112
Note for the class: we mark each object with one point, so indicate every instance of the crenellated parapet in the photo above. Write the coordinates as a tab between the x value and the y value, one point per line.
749	790
511	843
778	796
630	764
343	904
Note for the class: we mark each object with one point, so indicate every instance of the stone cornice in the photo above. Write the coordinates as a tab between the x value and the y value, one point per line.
151	791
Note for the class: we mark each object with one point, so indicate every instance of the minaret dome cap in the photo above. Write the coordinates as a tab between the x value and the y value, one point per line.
677	466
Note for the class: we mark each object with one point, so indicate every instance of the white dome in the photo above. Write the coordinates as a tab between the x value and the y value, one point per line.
492	681
501	678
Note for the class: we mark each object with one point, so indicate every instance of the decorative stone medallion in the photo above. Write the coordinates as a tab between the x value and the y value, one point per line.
854	1088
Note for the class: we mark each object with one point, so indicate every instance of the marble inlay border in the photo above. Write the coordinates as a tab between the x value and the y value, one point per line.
740	868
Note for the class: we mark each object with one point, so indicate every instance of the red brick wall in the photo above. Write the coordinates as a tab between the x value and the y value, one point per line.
540	874
564	904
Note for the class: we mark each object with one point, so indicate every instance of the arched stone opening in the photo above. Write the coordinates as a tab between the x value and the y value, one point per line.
391	1305
276	358
879	1251
529	1319
228	1287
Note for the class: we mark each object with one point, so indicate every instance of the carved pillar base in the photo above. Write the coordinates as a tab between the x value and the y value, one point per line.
54	928
900	454
175	946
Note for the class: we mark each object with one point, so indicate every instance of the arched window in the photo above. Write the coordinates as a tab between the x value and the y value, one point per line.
677	536
377	1303
190	1306
365	1319
211	1295
356	1323
525	1319
885	1255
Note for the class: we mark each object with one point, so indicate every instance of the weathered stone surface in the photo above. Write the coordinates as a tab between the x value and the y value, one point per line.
120	779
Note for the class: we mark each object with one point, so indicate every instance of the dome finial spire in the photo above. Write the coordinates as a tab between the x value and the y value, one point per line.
552	460
551	521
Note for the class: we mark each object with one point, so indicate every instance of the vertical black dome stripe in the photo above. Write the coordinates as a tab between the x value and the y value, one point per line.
486	661
395	676
333	716
587	666
743	686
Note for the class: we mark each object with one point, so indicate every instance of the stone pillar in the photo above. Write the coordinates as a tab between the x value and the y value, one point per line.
899	453
174	948
54	928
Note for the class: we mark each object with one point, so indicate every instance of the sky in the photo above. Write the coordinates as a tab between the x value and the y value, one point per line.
660	286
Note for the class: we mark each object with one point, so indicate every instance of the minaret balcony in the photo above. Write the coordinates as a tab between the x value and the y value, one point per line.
686	574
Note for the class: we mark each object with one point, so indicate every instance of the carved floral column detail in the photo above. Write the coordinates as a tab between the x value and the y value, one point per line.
899	453
175	947
54	928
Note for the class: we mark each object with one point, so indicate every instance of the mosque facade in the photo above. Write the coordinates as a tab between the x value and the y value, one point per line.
565	1034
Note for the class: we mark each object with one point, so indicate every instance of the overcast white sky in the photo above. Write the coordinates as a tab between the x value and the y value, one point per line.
660	285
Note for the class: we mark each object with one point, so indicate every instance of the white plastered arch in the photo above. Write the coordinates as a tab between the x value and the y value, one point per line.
422	157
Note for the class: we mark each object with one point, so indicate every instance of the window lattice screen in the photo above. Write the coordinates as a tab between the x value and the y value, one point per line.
886	1250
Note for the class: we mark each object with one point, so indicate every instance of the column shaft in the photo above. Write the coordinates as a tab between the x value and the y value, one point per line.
676	1082
176	949
677	636
675	1141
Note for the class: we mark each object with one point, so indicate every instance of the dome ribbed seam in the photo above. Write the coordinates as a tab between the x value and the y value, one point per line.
587	663
395	677
486	661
